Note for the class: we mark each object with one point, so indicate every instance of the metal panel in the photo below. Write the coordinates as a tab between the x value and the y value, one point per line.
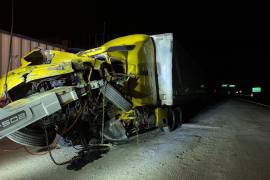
0	53
49	47
42	45
20	46
5	51
25	46
34	45
23	112
16	52
163	44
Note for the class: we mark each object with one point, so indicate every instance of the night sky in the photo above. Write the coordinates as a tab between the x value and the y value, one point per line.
230	41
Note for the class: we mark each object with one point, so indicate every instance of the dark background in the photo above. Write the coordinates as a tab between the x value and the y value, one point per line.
230	41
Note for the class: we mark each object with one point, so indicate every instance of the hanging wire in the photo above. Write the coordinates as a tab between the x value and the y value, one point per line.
34	153
10	49
103	117
50	152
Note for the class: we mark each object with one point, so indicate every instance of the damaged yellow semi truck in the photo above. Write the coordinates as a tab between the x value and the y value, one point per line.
108	93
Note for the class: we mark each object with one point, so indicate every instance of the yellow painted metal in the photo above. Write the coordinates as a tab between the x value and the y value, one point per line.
161	116
138	63
128	116
61	64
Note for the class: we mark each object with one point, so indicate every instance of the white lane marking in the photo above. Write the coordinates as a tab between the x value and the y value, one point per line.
199	126
253	102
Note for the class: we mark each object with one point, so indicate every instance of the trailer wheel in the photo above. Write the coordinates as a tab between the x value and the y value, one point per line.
179	116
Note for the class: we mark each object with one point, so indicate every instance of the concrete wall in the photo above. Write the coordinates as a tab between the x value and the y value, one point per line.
20	46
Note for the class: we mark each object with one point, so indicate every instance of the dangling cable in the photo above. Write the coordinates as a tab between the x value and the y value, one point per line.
34	153
10	49
103	117
49	149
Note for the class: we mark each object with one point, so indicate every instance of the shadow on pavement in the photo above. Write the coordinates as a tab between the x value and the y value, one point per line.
86	156
194	108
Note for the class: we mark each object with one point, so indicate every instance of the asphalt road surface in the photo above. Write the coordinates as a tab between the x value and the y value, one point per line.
228	140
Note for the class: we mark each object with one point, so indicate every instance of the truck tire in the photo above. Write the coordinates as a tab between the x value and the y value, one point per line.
172	121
